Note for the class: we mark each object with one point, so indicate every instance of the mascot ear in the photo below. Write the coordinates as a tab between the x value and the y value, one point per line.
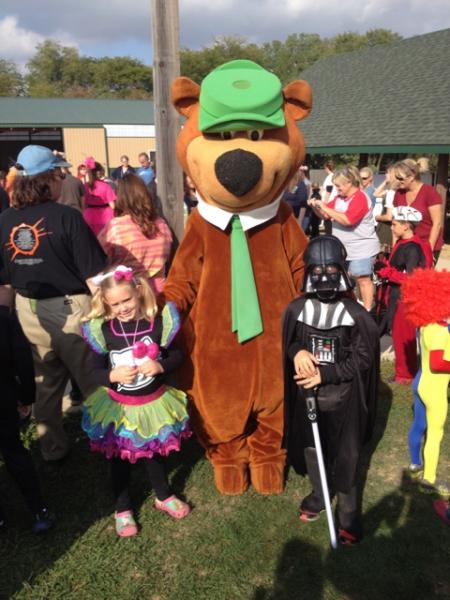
185	95
298	99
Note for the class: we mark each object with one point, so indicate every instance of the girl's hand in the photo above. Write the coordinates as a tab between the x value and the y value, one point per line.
123	374
308	382
305	364
24	410
150	368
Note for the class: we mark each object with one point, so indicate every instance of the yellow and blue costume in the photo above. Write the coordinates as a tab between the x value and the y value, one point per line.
426	295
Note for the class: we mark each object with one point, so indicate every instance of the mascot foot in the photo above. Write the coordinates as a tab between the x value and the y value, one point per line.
268	478
231	480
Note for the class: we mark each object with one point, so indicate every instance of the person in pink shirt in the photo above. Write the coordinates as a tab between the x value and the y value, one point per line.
99	198
137	236
423	197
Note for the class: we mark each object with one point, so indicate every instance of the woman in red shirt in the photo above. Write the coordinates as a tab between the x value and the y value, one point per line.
423	197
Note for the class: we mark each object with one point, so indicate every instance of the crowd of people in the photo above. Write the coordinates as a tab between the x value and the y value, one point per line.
83	260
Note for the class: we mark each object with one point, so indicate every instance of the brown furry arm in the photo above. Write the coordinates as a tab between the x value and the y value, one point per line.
295	242
184	276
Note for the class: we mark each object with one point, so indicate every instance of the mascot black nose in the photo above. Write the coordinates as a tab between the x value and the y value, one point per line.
238	171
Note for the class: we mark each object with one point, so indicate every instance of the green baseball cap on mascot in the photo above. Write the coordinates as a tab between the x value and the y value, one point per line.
239	96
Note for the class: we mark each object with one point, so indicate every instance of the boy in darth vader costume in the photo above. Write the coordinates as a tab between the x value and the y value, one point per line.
331	346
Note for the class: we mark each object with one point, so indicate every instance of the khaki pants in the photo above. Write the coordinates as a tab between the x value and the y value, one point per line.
52	327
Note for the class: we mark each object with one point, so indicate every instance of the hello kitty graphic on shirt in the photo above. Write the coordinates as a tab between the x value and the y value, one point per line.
125	358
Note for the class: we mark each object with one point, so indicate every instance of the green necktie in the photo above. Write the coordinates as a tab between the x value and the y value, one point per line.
245	312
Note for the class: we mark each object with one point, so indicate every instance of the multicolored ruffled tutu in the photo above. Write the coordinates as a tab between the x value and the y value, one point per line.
134	427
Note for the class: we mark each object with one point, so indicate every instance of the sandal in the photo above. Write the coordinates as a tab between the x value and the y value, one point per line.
125	524
307	516
173	506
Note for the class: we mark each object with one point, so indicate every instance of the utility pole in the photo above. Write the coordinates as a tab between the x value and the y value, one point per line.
166	67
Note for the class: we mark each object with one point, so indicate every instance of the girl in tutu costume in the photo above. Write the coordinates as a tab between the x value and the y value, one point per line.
135	415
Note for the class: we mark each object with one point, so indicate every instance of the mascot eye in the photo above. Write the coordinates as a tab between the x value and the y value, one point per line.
255	134
227	135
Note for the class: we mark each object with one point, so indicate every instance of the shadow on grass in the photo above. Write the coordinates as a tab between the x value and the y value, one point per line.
79	494
299	574
404	555
383	409
75	493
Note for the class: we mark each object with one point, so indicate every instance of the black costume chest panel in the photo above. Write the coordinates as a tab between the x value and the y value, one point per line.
120	337
400	257
335	341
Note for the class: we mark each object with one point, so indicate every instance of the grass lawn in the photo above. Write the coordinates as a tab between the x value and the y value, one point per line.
230	548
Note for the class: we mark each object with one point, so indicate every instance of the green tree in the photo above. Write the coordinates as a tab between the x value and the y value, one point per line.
51	70
122	77
196	64
288	59
347	42
382	36
11	83
57	70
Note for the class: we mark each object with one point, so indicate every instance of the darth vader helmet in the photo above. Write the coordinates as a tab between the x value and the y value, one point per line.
325	269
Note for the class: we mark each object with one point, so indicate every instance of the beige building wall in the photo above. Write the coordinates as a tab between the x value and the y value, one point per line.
130	146
81	142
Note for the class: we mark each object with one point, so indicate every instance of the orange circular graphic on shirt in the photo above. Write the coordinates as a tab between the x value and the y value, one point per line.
25	239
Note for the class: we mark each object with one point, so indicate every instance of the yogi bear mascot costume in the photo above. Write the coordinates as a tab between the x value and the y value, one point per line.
239	264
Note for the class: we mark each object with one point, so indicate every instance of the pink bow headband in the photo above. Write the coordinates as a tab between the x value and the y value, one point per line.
120	273
89	161
126	275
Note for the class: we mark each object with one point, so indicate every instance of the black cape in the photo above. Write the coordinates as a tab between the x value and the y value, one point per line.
361	411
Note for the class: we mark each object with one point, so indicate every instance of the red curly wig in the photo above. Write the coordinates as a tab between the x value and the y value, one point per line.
426	296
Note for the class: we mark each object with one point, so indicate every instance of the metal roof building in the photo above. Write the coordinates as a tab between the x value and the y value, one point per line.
105	129
390	98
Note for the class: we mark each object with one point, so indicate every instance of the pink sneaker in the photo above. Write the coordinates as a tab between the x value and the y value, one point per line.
125	524
173	506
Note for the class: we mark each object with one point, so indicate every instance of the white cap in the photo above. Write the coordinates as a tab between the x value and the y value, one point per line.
406	214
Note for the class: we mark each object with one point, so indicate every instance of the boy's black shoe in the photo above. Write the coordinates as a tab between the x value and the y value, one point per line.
43	521
311	507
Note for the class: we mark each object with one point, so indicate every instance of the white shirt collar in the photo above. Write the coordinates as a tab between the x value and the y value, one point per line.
249	219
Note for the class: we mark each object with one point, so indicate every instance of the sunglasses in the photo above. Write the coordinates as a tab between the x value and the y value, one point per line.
365	178
398	178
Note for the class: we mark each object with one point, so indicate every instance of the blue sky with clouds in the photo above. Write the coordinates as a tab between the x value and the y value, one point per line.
119	27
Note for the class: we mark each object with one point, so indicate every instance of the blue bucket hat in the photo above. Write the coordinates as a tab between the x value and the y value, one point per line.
35	160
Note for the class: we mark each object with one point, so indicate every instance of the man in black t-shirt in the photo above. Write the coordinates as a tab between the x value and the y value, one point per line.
47	255
4	200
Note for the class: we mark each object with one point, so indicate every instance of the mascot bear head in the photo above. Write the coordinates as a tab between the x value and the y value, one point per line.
240	143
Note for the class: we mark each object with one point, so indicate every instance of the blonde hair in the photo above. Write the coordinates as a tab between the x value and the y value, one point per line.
100	308
350	174
366	171
409	166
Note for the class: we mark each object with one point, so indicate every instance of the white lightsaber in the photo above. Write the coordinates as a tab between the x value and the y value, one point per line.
311	410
